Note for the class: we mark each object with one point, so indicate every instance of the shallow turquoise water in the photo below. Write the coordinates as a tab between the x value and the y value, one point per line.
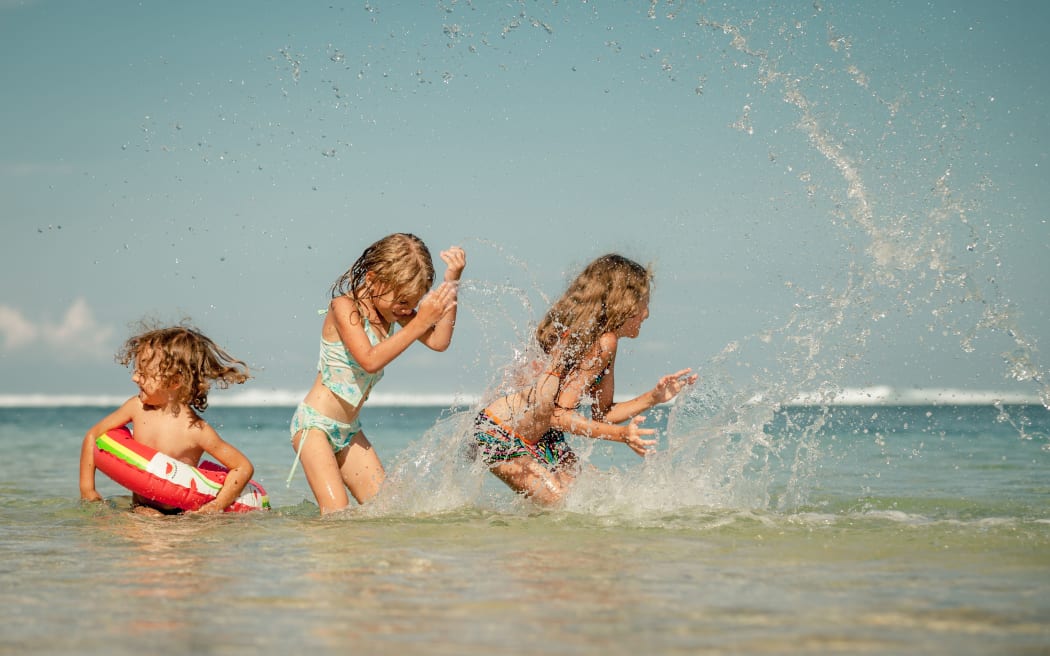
924	530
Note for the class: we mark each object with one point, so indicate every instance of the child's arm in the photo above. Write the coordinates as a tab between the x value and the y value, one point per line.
239	474
439	336
566	418
666	389
349	325
630	433
119	417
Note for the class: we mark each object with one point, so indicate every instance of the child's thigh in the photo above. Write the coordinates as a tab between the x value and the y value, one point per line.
526	476
322	470
361	468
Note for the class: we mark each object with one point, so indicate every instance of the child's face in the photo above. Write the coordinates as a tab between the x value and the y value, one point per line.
393	305
152	390
633	326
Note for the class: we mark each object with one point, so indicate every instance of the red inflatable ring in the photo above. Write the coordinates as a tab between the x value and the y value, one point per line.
163	479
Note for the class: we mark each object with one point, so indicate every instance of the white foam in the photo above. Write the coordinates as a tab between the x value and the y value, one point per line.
291	398
886	395
59	400
219	398
882	395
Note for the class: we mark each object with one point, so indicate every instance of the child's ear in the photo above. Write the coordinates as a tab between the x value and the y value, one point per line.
373	286
370	281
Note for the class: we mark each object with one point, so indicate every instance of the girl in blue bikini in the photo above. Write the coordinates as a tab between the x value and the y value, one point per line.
358	339
520	436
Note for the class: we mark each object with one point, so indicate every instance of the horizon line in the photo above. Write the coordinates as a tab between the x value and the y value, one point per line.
876	395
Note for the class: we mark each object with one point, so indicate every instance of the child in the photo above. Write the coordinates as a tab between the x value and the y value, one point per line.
174	369
382	288
519	436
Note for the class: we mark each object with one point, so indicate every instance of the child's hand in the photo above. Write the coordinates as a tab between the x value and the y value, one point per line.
670	385
456	259
210	508
634	436
437	303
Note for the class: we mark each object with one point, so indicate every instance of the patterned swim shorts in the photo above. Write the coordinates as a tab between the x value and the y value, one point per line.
498	443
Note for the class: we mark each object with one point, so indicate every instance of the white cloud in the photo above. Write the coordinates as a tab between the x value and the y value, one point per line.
16	330
78	332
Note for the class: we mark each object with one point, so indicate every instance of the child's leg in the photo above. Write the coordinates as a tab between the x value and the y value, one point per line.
526	476
140	505
321	469
362	471
146	511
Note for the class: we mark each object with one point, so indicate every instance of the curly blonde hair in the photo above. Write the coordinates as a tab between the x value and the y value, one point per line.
599	300
399	262
182	356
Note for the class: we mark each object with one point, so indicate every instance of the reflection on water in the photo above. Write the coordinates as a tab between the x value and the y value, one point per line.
477	581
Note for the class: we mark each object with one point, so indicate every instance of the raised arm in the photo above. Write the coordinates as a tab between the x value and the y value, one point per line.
440	336
350	327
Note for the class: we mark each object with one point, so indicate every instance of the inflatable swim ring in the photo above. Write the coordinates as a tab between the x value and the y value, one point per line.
163	479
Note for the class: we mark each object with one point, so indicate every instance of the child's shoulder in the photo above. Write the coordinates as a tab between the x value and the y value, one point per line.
607	343
343	308
345	312
343	303
133	406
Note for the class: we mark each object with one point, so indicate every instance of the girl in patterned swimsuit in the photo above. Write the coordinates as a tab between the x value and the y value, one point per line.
382	289
520	435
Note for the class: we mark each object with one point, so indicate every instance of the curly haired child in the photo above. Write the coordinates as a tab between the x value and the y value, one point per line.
174	368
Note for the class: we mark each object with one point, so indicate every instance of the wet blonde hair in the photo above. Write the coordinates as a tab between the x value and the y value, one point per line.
182	356
601	299
399	262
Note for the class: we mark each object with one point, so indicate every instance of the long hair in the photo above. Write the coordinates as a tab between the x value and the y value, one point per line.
182	355
600	299
399	262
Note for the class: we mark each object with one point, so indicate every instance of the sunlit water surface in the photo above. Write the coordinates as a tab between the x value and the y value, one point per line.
930	538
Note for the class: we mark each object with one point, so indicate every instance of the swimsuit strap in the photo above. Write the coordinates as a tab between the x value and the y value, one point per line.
298	454
496	421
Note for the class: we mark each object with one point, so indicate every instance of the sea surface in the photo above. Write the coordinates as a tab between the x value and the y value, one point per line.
832	194
848	530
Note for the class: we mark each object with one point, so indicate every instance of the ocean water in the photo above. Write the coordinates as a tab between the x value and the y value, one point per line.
859	529
834	195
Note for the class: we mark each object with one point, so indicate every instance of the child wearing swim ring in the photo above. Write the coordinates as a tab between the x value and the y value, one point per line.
174	368
386	288
520	436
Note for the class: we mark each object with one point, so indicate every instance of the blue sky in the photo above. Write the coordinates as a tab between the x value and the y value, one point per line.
832	193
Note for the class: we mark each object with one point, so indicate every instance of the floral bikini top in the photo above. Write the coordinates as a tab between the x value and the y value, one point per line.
342	374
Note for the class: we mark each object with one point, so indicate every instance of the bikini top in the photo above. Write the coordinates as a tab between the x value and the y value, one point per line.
590	388
342	374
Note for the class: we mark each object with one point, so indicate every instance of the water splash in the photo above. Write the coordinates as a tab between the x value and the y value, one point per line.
911	264
906	219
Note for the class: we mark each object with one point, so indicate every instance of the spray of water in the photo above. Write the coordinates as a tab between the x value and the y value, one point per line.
913	254
720	429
